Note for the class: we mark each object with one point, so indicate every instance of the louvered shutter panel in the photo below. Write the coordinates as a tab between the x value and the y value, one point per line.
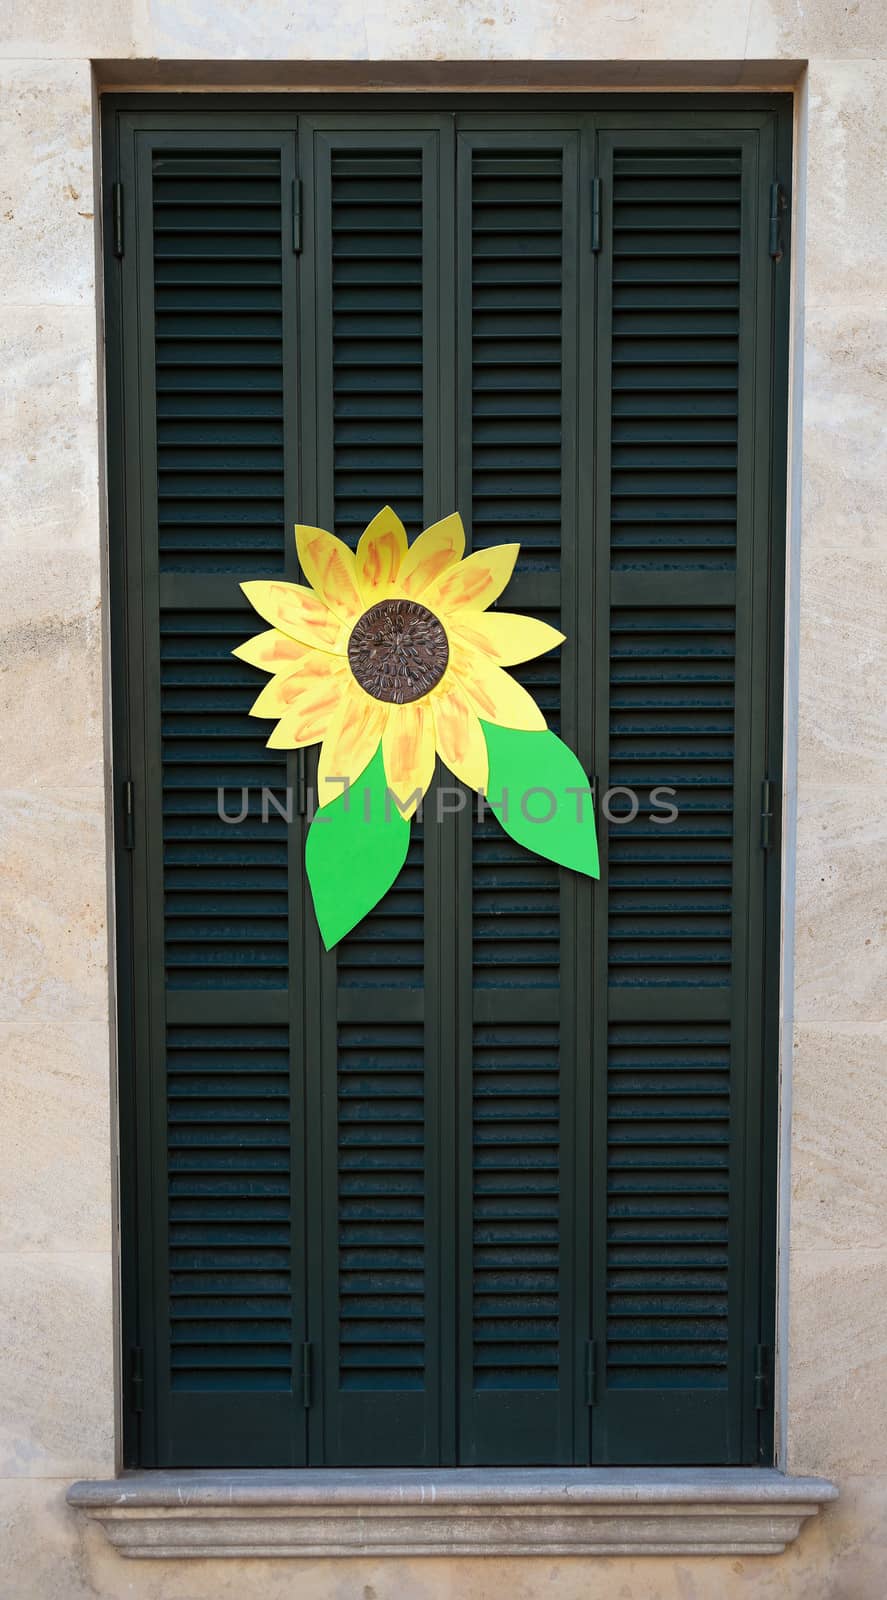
485	1185
212	943
371	299
685	286
518	317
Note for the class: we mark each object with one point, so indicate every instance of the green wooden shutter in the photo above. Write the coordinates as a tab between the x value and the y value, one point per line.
220	1154
518	270
486	1184
684	384
371	314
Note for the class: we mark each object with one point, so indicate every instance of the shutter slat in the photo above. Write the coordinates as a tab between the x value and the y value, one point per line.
227	336
381	1189
223	1086
205	696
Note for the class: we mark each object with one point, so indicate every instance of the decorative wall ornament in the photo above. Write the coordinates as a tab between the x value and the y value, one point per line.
389	659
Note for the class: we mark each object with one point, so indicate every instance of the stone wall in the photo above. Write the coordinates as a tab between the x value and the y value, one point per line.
56	1100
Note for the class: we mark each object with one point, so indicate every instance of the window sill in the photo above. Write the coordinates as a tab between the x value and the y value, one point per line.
487	1512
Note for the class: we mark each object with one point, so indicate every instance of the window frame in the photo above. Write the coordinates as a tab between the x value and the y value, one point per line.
119	113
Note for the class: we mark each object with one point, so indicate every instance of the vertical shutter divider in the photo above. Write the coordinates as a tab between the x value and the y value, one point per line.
444	903
596	1190
299	993
587	604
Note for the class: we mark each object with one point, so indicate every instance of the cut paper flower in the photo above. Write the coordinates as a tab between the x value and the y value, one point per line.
393	645
388	660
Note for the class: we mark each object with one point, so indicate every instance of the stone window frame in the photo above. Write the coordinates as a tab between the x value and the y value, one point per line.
563	1511
518	1511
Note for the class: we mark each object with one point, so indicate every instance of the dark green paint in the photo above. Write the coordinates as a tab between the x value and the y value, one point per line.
514	1111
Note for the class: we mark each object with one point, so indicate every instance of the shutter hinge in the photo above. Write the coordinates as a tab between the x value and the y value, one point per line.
766	814
595	214
117	218
307	1376
297	215
777	211
301	784
591	1373
137	1378
762	1377
128	815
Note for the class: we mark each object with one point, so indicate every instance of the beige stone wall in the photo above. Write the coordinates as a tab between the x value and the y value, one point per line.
56	1197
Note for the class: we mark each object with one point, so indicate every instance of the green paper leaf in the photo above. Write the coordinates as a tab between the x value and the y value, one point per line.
540	794
355	848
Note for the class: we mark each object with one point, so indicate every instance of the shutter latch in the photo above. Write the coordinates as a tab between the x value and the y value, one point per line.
766	814
117	218
297	215
301	784
777	210
137	1378
591	1373
307	1376
128	815
762	1377
595	214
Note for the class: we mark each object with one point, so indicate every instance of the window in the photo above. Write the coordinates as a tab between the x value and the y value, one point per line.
493	1182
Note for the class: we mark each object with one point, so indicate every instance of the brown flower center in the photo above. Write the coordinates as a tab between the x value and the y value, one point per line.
398	651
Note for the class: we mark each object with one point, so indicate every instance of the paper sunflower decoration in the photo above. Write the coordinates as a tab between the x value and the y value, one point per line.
388	660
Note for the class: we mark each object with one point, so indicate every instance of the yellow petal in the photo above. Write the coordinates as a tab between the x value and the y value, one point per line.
494	694
438	548
408	752
273	652
382	547
502	635
459	735
298	612
475	583
351	742
330	568
314	696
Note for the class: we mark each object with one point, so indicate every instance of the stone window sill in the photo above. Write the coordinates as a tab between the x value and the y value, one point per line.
472	1512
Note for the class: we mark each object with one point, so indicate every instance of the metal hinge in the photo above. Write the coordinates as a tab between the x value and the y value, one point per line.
128	814
595	214
117	218
591	1373
297	215
137	1378
301	784
307	1376
762	1376
778	205
766	814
